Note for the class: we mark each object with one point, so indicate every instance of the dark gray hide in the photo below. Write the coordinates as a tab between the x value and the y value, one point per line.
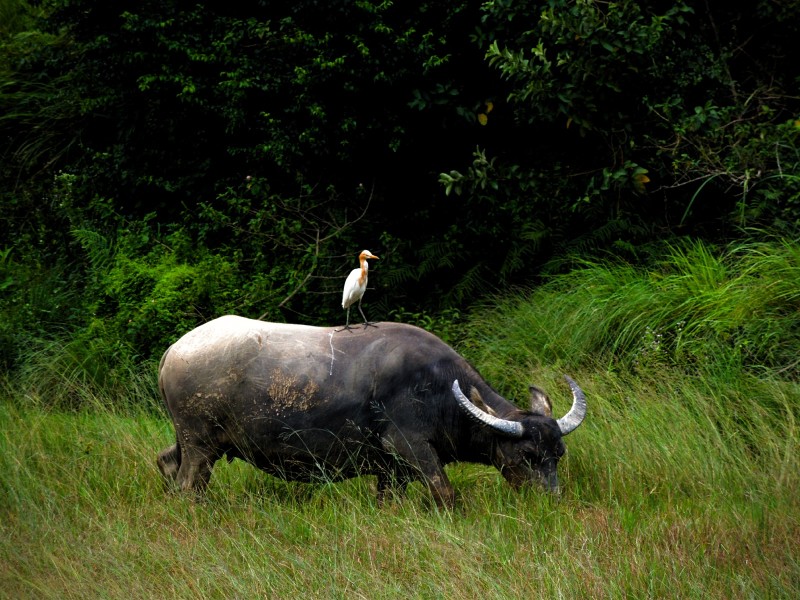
305	403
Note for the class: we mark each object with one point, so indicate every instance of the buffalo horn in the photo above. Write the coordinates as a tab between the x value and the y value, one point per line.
504	426
570	421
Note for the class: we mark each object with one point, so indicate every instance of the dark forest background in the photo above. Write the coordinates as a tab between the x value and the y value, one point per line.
163	163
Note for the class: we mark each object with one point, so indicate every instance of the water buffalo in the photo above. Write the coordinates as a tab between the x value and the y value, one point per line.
305	402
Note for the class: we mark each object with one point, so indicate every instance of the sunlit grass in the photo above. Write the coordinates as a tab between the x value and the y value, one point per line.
651	504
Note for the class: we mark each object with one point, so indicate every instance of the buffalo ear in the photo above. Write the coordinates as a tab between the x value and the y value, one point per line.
475	398
540	403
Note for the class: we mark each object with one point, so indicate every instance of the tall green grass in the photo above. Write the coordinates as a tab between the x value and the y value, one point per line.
682	483
699	310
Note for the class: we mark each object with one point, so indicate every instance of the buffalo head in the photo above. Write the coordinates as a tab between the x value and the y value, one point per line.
529	443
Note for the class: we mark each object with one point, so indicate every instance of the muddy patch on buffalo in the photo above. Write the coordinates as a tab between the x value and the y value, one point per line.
289	392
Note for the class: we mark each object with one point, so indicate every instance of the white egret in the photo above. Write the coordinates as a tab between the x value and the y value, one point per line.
355	286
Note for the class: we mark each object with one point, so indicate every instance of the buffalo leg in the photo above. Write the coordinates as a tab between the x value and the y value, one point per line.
194	475
441	488
169	461
423	458
390	484
197	461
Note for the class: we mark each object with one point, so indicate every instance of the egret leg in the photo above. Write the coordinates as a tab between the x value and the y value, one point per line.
366	322
347	322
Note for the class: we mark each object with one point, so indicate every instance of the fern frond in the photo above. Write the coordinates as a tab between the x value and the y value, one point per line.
98	248
469	286
435	255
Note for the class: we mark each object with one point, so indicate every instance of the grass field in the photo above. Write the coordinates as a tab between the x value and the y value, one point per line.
682	483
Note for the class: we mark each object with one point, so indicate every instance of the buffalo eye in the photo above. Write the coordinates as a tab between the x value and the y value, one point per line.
537	454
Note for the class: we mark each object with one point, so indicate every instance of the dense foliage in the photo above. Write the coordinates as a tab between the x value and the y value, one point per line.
633	119
167	162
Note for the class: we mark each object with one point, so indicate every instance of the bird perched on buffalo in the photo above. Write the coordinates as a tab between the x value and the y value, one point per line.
355	286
